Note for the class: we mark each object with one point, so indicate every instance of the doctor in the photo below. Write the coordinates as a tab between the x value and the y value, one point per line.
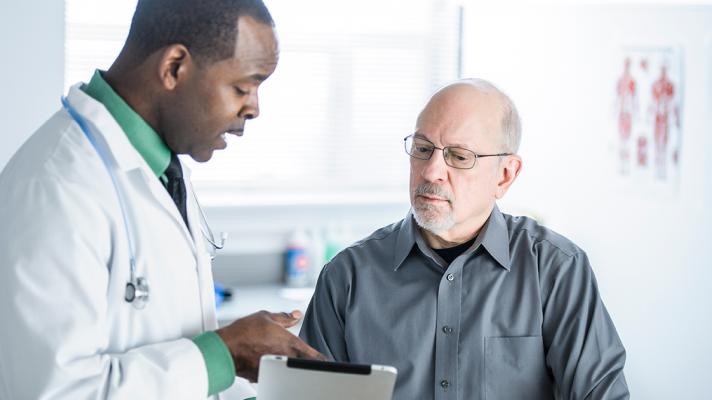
105	277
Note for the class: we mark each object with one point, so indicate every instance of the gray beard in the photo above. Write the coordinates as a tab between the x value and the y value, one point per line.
434	225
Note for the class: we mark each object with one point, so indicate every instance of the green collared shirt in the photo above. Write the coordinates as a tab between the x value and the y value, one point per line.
139	132
218	361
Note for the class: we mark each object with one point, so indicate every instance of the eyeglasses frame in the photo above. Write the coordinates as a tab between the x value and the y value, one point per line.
405	140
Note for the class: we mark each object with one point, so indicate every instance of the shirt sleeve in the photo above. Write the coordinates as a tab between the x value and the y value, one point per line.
583	350
218	361
323	325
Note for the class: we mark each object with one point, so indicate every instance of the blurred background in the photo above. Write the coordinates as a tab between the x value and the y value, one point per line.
616	103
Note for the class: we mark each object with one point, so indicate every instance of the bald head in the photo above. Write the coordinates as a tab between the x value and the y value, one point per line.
480	105
453	193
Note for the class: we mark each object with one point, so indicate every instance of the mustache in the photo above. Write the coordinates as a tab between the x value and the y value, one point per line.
434	190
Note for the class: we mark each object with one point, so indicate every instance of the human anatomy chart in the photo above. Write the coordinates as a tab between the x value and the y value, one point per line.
648	112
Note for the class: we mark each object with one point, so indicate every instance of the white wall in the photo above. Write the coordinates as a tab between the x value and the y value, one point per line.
32	68
648	245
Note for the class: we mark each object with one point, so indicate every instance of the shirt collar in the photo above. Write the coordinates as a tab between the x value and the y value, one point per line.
494	237
143	138
405	240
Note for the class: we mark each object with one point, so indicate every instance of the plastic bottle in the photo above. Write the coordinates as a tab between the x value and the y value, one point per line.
316	253
334	242
297	260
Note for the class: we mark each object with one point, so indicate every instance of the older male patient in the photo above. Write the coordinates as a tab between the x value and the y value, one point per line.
468	302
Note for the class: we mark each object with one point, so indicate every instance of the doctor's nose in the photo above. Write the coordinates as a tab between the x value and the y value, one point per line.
251	108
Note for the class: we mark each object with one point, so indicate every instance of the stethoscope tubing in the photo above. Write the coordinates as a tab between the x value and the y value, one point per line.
136	284
128	227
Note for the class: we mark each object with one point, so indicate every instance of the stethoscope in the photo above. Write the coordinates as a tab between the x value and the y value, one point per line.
137	288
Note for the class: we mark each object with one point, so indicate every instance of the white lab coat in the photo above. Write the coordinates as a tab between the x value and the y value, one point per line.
67	332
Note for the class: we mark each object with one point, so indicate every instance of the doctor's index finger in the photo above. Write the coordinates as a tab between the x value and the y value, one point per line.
303	350
300	349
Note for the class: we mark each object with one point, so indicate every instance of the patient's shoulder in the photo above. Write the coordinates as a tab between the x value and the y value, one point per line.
374	251
386	235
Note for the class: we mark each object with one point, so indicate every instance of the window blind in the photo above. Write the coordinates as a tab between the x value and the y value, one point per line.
351	80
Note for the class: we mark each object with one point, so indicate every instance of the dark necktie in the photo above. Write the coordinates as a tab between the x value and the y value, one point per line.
176	186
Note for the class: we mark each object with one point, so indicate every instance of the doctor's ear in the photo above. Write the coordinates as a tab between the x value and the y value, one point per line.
174	65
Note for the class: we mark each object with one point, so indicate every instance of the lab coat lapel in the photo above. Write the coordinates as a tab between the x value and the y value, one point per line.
205	272
160	195
105	129
124	155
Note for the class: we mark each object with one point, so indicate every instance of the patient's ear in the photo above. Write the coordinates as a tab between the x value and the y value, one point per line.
509	169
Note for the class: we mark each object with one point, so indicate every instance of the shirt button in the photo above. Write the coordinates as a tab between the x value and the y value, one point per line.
450	277
448	330
444	384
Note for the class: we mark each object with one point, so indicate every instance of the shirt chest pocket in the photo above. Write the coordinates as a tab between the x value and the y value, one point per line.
515	368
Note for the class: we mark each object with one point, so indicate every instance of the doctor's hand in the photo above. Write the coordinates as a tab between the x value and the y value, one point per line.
261	333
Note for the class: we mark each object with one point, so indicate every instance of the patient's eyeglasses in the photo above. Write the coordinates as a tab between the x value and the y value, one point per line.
456	157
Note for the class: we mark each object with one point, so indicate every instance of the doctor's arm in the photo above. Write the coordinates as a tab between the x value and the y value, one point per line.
54	288
56	338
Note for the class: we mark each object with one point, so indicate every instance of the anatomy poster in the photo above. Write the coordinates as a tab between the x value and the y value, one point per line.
648	114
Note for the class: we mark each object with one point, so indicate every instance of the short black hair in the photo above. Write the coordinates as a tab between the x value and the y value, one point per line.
208	28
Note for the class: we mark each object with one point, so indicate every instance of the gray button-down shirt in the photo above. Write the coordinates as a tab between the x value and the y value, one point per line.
516	316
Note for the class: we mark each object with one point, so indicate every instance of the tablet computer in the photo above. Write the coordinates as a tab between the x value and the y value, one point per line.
282	378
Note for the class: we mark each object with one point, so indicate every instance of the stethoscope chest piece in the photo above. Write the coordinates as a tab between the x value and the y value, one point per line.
137	293
137	290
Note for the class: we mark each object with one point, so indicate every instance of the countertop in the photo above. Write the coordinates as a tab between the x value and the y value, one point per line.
275	298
